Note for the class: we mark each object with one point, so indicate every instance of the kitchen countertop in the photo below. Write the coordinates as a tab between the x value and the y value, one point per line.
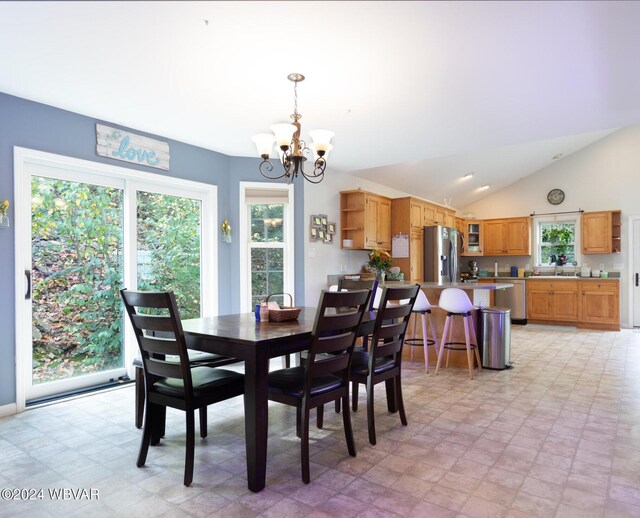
555	277
462	285
468	285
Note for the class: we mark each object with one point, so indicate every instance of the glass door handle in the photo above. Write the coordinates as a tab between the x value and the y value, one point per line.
27	274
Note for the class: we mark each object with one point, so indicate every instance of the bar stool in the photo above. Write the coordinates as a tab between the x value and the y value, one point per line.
457	304
423	308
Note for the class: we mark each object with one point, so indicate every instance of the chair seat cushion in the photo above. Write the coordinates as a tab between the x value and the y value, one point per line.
205	380
360	363
291	382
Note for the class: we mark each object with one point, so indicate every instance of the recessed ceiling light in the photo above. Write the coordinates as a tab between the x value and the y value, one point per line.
467	176
485	187
556	157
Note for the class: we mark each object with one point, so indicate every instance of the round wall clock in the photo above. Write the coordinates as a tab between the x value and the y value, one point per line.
555	196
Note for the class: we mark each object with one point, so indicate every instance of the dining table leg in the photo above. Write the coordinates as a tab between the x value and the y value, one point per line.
256	417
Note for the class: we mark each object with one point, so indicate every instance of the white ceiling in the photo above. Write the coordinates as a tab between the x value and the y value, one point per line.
418	93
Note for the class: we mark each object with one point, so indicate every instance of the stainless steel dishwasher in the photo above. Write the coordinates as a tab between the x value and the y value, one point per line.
515	299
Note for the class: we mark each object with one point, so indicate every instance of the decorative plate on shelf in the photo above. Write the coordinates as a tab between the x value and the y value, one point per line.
555	196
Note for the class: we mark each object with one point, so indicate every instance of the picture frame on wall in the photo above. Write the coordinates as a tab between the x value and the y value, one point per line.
321	229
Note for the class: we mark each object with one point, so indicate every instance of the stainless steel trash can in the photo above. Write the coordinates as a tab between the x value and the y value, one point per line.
495	337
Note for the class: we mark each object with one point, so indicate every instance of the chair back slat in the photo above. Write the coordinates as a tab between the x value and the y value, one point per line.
352	284
163	369
334	332
153	322
153	349
335	364
155	345
344	320
335	343
391	323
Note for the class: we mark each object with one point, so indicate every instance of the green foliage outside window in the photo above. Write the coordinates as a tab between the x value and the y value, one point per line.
169	248
77	249
267	263
557	238
77	272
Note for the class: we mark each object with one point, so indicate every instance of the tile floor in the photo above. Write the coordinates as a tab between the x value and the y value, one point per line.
558	435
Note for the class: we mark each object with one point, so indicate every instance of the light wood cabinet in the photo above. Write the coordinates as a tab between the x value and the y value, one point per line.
601	232
409	216
508	236
416	257
552	300
473	234
584	303
600	302
365	218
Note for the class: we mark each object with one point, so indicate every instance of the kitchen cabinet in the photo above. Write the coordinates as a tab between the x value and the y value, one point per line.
601	232
552	300
416	257
600	302
365	218
593	304
473	235
508	236
409	216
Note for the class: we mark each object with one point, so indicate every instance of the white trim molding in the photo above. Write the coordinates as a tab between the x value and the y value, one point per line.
243	236
28	162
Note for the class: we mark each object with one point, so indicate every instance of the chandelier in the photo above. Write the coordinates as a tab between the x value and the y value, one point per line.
291	148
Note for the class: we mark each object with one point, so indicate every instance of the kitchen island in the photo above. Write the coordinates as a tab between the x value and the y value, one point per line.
481	295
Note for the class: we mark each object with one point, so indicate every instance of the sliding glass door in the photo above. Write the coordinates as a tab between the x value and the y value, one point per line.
90	235
76	272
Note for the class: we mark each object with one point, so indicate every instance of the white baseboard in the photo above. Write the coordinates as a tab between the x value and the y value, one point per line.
7	410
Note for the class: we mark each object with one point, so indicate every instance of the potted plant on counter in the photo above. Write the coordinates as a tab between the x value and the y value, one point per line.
379	261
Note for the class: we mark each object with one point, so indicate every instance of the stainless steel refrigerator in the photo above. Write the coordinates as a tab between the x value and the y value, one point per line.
441	254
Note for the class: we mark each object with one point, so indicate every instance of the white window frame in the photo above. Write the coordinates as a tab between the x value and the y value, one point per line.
27	161
560	218
244	237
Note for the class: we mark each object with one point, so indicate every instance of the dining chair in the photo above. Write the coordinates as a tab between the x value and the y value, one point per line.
383	360
196	358
324	376
175	384
353	284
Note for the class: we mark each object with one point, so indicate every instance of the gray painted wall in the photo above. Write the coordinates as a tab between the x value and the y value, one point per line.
37	126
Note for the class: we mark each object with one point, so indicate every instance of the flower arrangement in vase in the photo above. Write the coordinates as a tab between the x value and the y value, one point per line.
379	261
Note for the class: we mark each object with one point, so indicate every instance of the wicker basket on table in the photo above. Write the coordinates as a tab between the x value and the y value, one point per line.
285	312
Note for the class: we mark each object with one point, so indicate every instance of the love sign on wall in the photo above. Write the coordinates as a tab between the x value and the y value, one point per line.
123	145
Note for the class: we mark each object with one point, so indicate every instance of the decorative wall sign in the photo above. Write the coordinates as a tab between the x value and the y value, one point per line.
321	229
126	146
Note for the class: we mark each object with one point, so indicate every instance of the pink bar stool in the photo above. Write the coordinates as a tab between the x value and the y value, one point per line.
423	308
457	304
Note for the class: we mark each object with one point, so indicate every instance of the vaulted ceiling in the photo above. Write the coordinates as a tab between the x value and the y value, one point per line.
418	93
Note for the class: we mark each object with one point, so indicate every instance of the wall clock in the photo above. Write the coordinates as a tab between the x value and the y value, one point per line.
555	196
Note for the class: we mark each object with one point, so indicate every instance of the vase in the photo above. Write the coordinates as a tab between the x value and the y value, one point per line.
381	275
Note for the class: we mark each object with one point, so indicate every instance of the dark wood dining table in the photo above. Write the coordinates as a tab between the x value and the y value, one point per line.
241	337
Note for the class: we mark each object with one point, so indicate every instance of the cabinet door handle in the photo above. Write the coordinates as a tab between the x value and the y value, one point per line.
637	279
